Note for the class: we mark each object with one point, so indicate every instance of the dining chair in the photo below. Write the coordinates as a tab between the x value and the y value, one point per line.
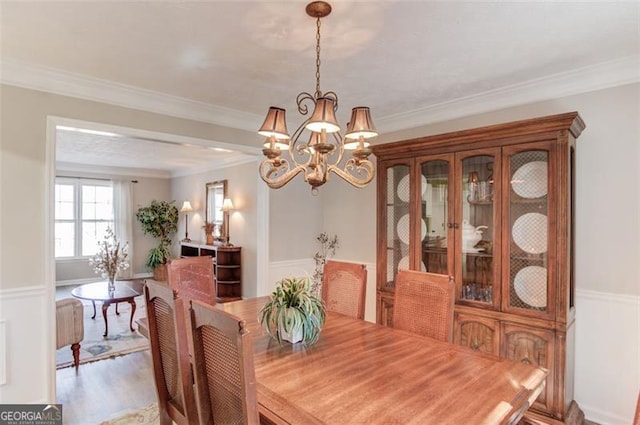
424	304
344	287
170	355
192	277
70	326
223	367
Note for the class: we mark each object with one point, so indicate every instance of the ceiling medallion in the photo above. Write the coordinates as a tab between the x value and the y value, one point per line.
317	147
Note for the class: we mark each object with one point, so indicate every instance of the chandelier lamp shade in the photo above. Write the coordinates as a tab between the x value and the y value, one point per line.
317	147
186	208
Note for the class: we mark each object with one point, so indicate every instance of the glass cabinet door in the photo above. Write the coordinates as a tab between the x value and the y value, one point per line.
398	222
477	244
527	223
436	214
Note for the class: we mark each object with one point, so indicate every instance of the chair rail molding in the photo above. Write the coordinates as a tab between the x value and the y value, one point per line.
25	361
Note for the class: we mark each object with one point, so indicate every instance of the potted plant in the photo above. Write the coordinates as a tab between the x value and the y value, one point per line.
160	220
110	258
293	313
208	231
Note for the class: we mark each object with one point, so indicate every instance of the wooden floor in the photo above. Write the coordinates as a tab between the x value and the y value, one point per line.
104	389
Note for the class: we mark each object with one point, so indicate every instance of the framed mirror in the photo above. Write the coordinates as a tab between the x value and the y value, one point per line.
216	192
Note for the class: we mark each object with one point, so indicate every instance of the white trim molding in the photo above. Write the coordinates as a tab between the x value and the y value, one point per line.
582	80
595	77
36	77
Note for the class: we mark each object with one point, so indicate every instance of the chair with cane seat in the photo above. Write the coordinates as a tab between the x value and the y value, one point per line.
424	304
170	356
344	287
223	367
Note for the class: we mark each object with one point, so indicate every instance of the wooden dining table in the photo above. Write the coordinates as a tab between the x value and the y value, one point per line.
364	373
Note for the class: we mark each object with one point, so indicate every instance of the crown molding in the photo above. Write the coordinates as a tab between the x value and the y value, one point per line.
35	77
582	80
595	77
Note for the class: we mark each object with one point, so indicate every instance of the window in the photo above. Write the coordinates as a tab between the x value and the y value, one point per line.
83	212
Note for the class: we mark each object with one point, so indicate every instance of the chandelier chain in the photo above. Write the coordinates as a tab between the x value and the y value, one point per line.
318	92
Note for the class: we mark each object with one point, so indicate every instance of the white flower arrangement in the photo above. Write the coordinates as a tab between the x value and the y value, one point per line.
111	257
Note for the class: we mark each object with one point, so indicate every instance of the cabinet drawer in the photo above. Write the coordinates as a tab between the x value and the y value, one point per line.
536	347
478	333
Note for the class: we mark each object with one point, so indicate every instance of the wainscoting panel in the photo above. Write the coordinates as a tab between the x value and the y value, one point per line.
607	356
28	347
3	352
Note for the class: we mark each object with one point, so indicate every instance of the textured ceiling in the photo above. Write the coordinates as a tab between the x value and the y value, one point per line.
394	56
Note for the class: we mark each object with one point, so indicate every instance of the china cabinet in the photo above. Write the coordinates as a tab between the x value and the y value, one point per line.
492	207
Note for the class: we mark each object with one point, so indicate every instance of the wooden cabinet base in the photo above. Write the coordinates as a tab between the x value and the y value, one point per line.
574	416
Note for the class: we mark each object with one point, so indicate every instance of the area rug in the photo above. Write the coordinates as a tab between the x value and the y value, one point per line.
147	416
120	340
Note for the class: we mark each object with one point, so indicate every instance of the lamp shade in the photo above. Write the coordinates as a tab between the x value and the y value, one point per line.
324	116
186	207
275	124
227	205
360	124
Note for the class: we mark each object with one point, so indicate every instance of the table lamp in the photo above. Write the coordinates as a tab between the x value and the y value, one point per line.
227	206
186	208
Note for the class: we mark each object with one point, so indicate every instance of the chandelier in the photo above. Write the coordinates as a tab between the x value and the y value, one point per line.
317	147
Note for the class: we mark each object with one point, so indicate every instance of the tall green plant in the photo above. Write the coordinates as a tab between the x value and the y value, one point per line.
293	307
159	220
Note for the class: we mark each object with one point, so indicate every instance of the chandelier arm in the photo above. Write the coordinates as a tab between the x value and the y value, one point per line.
365	167
301	98
267	169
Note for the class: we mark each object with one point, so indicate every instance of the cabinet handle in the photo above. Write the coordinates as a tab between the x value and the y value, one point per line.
449	225
456	225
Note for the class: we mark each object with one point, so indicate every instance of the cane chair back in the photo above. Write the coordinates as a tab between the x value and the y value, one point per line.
170	355
192	277
223	367
344	288
424	303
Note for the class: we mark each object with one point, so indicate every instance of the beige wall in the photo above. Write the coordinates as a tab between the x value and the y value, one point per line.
608	184
242	184
295	220
22	167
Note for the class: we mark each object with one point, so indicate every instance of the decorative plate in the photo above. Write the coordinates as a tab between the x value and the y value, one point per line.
530	284
403	188
403	264
530	180
529	232
403	229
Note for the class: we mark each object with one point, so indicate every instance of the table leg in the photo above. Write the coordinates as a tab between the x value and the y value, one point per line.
133	310
94	309
117	312
105	306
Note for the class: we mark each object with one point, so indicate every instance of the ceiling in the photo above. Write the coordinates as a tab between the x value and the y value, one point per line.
408	60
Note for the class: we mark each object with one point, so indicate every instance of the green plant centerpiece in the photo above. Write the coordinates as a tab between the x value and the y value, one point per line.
160	220
294	313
